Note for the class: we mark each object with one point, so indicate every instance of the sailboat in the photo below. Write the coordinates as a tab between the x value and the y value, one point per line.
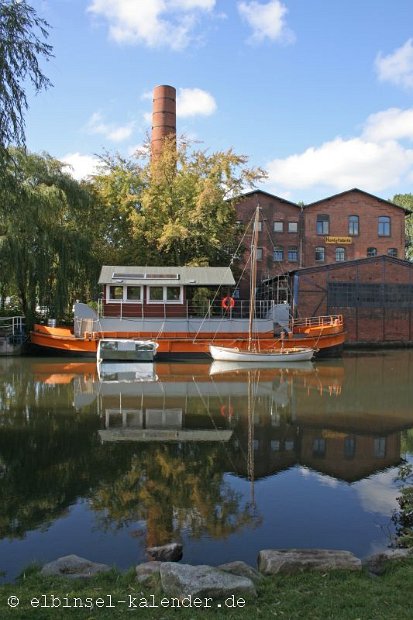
252	353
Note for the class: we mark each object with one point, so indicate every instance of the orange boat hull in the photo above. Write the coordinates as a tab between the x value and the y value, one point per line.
62	340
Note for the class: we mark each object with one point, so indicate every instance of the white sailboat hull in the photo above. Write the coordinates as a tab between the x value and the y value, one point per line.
232	354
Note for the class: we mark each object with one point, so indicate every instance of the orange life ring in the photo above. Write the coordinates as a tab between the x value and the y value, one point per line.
227	411
228	302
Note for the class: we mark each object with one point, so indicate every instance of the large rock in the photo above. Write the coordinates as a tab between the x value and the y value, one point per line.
74	567
242	570
166	553
147	570
376	564
272	561
182	580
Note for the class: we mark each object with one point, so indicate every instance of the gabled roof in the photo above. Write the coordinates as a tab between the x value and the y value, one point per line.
360	191
260	191
187	276
354	262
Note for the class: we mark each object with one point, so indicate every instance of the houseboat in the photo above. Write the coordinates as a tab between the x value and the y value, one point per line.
184	310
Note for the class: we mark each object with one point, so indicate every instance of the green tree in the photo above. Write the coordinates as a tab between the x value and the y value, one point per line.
178	209
406	201
46	243
23	44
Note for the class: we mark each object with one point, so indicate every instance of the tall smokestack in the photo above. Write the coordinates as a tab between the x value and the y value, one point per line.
163	117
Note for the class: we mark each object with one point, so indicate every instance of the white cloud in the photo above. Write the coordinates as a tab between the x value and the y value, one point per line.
266	20
391	124
97	125
375	160
194	102
378	493
81	166
397	67
155	23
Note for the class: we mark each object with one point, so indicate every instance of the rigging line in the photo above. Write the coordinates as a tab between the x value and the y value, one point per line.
212	419
220	285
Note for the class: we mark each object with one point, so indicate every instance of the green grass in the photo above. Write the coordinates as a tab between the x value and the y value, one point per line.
336	595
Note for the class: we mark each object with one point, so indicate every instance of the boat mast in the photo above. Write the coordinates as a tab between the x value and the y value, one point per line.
253	276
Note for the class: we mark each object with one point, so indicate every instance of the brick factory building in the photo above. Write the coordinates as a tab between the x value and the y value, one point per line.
375	296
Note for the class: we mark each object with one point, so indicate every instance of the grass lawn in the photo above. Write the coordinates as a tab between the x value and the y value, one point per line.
337	595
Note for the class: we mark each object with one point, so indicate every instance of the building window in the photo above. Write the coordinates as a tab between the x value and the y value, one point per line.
371	252
279	227
379	447
320	253
353	225
319	447
340	255
323	224
292	227
384	226
259	253
165	294
278	253
349	447
392	252
293	254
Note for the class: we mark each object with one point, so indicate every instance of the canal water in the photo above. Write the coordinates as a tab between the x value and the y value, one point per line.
228	460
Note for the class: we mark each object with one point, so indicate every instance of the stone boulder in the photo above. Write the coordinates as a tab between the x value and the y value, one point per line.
147	570
376	564
242	570
272	561
202	581
74	567
165	553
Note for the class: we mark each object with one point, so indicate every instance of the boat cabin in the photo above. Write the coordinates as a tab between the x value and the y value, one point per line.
162	292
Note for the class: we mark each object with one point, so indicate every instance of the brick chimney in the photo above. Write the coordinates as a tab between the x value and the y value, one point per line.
163	117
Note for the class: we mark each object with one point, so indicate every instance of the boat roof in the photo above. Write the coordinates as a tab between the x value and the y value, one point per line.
187	276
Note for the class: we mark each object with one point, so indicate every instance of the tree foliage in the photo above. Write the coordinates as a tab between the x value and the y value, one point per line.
23	36
46	245
406	201
178	209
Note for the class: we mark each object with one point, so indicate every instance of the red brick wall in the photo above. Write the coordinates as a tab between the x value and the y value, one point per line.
363	324
272	209
339	208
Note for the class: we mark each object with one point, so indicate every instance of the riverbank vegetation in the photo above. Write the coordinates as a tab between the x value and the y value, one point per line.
335	595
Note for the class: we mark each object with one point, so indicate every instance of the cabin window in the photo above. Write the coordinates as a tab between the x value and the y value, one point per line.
353	225
293	254
278	227
134	293
392	252
165	294
115	293
124	294
384	226
320	253
323	224
278	253
371	252
340	255
292	227
173	293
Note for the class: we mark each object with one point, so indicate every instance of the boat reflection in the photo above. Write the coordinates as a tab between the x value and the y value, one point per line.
316	415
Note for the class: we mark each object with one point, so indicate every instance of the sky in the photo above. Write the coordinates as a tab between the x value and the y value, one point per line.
317	92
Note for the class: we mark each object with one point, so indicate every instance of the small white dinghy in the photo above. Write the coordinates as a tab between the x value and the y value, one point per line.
233	354
123	350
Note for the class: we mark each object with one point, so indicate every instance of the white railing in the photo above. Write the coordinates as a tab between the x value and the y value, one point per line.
11	325
318	321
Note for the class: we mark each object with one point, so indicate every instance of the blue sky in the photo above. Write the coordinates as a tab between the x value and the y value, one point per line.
317	92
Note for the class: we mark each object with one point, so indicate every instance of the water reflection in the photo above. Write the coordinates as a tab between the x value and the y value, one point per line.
194	451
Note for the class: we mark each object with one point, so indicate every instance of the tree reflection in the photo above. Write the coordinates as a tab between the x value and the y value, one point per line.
174	488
